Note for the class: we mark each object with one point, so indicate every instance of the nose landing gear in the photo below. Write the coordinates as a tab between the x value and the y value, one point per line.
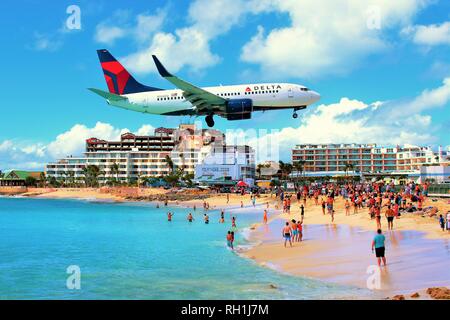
209	120
295	115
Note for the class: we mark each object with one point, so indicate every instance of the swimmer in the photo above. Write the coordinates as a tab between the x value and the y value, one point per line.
169	216
190	218
206	218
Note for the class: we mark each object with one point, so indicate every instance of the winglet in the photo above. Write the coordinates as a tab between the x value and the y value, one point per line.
107	95
162	71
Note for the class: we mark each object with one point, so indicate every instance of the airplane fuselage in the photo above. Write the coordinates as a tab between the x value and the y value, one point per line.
264	96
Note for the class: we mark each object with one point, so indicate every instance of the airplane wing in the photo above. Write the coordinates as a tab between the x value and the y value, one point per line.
202	100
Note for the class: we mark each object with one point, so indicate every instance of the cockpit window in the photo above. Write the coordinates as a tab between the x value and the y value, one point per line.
304	89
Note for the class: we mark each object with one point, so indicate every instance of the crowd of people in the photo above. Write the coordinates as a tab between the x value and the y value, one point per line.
378	197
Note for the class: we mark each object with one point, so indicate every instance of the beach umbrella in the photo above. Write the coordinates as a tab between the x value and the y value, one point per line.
241	184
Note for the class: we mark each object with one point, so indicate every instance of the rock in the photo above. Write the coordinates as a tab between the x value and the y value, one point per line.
439	293
272	286
398	297
415	295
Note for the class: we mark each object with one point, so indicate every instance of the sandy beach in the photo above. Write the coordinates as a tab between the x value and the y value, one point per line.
418	251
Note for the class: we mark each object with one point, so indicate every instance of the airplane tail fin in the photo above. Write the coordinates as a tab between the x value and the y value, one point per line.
118	79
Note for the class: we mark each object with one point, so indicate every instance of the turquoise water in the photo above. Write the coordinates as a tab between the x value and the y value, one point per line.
130	251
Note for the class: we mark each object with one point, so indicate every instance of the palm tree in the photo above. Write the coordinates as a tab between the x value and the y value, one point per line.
170	163
282	167
348	166
258	169
115	171
91	174
299	166
43	179
71	175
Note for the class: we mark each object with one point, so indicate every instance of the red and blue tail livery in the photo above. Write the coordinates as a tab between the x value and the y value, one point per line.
118	79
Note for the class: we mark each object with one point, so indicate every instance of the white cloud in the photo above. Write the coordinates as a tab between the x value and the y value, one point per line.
428	99
325	37
46	42
118	27
190	46
15	154
430	35
108	34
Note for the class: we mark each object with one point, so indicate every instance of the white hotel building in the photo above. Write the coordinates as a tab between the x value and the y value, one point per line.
141	156
331	159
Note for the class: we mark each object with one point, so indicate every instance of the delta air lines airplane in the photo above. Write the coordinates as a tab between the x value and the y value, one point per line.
235	102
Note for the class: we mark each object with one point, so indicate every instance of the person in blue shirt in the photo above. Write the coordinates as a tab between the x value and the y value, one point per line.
379	246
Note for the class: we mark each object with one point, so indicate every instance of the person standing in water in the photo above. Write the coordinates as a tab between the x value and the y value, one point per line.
222	217
300	230
190	218
230	240
265	217
206	218
233	222
287	234
378	244
302	211
169	216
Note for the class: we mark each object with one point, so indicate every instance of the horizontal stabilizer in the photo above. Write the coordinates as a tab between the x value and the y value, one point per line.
107	95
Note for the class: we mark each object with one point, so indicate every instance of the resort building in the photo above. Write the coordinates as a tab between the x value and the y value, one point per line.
326	158
135	157
337	159
227	164
412	158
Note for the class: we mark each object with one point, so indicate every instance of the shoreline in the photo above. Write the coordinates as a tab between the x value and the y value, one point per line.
342	259
263	249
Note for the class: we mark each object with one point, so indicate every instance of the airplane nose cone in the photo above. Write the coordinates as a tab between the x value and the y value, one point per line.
315	96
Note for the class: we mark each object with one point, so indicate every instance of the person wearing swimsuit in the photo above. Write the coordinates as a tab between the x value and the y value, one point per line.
206	218
169	216
287	234
190	218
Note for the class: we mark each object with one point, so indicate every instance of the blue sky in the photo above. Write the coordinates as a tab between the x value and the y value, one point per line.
382	68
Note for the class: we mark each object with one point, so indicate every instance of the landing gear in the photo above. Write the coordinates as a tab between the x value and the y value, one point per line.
209	120
295	115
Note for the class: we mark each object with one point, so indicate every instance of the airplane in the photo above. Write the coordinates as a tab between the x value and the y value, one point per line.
234	102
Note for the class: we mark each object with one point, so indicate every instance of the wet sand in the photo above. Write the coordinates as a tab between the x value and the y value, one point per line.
342	253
